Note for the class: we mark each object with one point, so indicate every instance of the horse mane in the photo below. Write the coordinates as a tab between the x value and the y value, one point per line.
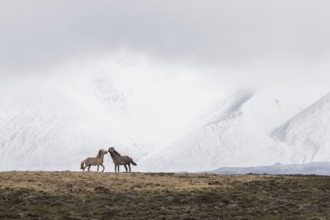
99	154
116	152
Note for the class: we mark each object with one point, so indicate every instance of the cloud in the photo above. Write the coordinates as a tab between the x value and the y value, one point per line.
39	35
275	45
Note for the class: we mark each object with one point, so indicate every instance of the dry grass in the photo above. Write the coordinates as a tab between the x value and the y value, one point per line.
89	195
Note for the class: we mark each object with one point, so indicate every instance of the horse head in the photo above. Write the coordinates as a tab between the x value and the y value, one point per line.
111	149
101	152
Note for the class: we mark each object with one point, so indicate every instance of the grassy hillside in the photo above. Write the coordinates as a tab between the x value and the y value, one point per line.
77	195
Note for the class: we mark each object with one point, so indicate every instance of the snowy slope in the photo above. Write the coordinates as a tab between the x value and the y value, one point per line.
54	123
316	168
309	132
45	126
53	120
227	136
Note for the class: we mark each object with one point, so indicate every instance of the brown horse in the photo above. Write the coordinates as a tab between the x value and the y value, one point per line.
120	160
94	161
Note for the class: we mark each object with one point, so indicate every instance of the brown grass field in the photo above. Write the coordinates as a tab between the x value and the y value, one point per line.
90	195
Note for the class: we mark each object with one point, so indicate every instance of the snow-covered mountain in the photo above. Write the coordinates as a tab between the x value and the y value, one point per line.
50	127
54	123
228	135
309	132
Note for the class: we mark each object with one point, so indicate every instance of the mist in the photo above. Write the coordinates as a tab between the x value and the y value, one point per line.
169	60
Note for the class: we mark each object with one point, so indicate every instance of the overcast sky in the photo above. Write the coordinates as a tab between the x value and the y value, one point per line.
258	38
171	59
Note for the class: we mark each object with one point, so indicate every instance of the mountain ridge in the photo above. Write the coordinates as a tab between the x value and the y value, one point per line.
309	131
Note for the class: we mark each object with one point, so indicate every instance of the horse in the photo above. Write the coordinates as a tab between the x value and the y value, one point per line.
94	161
120	160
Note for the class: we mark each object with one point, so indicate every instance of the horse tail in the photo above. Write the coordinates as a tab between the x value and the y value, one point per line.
132	162
82	165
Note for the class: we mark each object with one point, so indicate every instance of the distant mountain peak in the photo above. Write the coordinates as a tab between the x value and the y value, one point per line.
309	131
228	136
228	109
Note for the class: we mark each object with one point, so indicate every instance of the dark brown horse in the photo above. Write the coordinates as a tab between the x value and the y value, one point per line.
120	160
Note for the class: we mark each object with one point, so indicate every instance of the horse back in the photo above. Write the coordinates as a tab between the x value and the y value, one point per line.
123	160
92	161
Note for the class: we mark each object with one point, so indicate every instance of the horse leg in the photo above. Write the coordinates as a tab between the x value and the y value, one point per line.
129	166
89	166
98	168
103	167
125	167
